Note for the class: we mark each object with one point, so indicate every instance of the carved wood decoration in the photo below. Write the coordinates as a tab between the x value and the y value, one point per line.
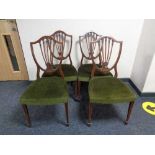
105	49
87	39
47	47
65	38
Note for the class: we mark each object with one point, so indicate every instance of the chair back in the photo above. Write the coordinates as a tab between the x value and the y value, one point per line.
43	52
84	42
66	40
106	47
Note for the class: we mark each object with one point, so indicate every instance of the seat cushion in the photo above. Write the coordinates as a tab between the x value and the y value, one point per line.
84	72
70	73
105	90
45	91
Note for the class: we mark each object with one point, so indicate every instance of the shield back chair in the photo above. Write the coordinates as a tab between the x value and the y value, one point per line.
108	90
70	73
84	71
46	90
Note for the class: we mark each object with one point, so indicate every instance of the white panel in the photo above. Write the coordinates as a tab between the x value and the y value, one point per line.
145	52
150	81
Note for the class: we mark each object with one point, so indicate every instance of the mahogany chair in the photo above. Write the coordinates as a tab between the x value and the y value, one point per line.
70	73
84	71
48	89
108	90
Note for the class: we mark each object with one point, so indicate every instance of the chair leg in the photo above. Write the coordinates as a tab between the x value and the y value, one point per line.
129	112
90	111
66	110
26	113
78	89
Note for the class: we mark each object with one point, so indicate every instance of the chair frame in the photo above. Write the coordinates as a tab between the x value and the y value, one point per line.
47	52
104	53
89	37
60	36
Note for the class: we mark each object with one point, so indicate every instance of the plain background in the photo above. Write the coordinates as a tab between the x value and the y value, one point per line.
77	145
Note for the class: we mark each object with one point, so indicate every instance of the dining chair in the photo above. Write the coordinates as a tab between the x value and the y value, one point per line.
70	72
108	89
84	71
47	89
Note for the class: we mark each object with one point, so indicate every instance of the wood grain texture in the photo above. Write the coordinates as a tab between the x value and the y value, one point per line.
9	27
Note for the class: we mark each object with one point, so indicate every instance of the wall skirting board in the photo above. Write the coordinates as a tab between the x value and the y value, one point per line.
141	94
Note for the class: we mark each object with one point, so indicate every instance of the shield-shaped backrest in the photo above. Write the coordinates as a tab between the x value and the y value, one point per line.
85	41
66	40
43	52
109	51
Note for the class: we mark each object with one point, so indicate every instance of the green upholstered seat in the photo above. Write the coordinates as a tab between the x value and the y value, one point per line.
45	91
84	72
70	73
106	90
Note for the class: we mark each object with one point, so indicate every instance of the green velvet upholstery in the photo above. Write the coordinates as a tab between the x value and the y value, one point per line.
45	91
84	72
106	90
70	73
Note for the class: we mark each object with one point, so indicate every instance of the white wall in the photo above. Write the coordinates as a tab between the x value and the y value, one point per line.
143	73
126	30
150	80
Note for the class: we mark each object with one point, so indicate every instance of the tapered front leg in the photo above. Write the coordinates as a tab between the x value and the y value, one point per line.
129	111
90	110
67	115
26	114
